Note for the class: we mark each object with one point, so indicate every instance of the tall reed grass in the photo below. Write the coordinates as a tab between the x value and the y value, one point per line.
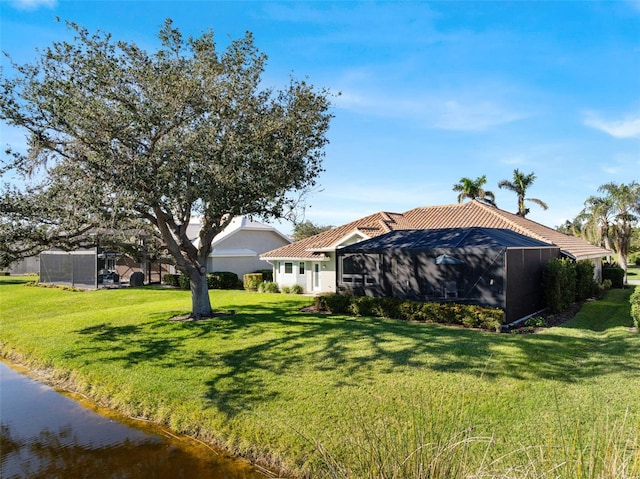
438	443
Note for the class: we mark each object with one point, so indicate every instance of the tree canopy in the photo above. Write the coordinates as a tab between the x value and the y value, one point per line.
308	228
158	137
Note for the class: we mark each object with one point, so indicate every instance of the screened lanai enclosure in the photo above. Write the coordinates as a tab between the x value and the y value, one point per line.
483	266
85	268
71	268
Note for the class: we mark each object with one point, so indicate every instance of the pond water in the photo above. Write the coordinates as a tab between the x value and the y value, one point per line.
45	434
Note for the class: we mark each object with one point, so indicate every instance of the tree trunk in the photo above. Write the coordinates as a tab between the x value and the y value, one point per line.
200	303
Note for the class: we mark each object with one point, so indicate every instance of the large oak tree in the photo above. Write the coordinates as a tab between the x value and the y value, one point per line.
159	137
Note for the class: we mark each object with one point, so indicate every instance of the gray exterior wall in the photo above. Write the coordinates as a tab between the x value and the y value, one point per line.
498	277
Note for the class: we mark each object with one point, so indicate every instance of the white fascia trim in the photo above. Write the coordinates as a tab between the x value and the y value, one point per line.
289	258
338	243
589	256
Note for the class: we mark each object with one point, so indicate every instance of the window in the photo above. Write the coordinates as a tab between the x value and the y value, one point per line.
352	265
288	268
301	267
359	269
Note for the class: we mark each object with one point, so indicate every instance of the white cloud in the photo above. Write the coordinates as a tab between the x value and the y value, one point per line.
626	128
33	4
464	112
473	115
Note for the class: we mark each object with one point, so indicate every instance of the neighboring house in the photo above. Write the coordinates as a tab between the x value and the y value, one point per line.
311	262
485	266
239	246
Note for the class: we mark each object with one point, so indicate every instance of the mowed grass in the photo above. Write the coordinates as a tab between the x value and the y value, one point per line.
338	396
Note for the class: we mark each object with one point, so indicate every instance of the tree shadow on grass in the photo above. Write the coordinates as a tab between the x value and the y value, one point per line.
130	344
241	358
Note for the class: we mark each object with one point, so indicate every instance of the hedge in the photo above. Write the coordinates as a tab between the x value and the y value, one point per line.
251	281
171	279
559	284
267	274
585	285
217	280
223	280
635	307
469	316
615	274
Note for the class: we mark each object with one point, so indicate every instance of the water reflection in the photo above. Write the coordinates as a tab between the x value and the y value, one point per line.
47	435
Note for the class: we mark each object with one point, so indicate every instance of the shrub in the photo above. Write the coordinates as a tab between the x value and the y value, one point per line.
363	305
184	282
480	317
536	322
635	307
268	287
222	280
387	308
615	274
251	281
602	288
267	274
559	284
171	280
407	310
297	289
333	303
432	313
470	316
285	289
584	280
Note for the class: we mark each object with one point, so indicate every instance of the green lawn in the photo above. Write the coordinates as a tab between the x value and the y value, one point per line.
340	396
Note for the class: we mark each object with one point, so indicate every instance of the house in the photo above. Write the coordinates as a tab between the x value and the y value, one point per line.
311	262
239	246
236	249
485	266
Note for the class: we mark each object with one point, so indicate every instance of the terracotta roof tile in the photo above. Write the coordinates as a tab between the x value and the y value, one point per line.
371	226
460	215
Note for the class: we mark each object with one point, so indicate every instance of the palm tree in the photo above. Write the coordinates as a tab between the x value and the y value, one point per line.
597	216
519	186
473	189
625	201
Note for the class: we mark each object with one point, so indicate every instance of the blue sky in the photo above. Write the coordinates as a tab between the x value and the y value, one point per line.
430	91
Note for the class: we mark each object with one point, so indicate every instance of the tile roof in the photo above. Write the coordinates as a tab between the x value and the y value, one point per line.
460	215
